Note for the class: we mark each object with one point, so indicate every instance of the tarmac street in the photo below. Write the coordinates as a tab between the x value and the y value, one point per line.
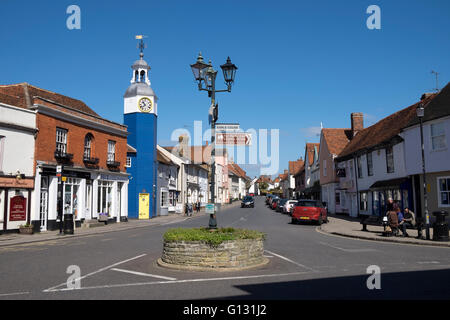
304	264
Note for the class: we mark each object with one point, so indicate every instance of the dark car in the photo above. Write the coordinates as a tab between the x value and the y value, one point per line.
281	205
309	210
248	202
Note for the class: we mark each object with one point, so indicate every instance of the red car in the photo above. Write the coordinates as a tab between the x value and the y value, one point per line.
309	210
275	203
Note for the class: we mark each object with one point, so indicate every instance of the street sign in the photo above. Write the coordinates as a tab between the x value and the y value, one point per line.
209	208
227	127
234	138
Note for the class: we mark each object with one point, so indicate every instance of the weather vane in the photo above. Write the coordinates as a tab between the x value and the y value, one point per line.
141	44
437	81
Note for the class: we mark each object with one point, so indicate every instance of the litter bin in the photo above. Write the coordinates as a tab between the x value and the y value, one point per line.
68	224
440	227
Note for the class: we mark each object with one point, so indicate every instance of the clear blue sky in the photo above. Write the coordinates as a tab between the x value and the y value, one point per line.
300	62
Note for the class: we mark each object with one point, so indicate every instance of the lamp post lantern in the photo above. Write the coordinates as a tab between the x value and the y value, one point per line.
205	75
420	114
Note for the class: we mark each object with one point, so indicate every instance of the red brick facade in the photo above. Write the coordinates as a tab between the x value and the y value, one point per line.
46	142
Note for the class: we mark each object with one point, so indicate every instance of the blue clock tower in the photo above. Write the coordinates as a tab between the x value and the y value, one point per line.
141	115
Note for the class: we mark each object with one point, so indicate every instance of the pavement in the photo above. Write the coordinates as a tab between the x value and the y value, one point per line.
11	239
351	227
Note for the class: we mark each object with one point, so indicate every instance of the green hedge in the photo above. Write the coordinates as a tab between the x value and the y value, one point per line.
213	238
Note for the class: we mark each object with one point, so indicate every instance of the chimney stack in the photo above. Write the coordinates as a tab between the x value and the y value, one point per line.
357	120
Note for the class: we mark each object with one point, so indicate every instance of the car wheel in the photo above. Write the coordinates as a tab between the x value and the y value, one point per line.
293	221
320	221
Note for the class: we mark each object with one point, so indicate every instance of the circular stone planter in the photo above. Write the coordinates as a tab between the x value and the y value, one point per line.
199	256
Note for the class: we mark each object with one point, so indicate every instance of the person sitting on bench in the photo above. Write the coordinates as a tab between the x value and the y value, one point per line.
409	220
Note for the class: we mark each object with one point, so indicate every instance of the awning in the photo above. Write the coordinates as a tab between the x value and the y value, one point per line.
388	183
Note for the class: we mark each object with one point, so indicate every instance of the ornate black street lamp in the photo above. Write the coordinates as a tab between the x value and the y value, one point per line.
205	75
420	114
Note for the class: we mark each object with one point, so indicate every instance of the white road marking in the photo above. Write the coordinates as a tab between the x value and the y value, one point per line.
181	281
144	274
95	272
13	294
348	250
289	260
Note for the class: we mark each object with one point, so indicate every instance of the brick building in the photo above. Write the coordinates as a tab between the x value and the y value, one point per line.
91	151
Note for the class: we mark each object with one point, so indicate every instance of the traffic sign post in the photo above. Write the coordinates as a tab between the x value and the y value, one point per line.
234	138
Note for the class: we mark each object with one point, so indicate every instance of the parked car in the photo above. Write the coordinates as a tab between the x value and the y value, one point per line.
251	194
275	202
288	206
281	205
309	210
248	202
268	198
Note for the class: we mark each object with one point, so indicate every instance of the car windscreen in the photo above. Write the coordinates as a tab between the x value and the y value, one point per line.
248	199
306	204
282	202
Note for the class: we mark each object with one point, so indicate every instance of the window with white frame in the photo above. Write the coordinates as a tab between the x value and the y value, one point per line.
128	164
87	146
438	136
61	140
444	191
111	151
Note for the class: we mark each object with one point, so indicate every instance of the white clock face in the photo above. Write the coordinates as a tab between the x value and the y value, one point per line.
145	105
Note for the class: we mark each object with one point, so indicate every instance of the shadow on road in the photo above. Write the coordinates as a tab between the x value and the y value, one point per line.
432	284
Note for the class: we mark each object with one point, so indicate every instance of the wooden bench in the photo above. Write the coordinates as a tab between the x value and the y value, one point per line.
371	220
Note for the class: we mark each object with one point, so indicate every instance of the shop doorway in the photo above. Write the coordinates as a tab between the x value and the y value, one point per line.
88	200
43	204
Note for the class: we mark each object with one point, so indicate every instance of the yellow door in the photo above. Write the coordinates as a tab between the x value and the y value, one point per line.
144	206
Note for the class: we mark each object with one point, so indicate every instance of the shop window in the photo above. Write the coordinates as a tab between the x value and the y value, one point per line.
104	197
444	191
164	198
71	190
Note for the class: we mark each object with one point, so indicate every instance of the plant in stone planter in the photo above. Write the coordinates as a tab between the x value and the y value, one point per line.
26	228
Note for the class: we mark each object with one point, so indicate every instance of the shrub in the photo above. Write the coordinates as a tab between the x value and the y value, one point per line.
213	238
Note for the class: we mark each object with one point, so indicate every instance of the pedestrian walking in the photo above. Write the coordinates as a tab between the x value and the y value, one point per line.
198	206
393	218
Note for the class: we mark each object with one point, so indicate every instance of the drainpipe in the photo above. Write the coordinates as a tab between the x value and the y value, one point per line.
356	179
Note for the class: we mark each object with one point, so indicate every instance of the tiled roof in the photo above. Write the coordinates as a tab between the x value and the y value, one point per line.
196	154
264	178
310	152
294	166
438	107
24	94
237	170
336	139
382	131
160	157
